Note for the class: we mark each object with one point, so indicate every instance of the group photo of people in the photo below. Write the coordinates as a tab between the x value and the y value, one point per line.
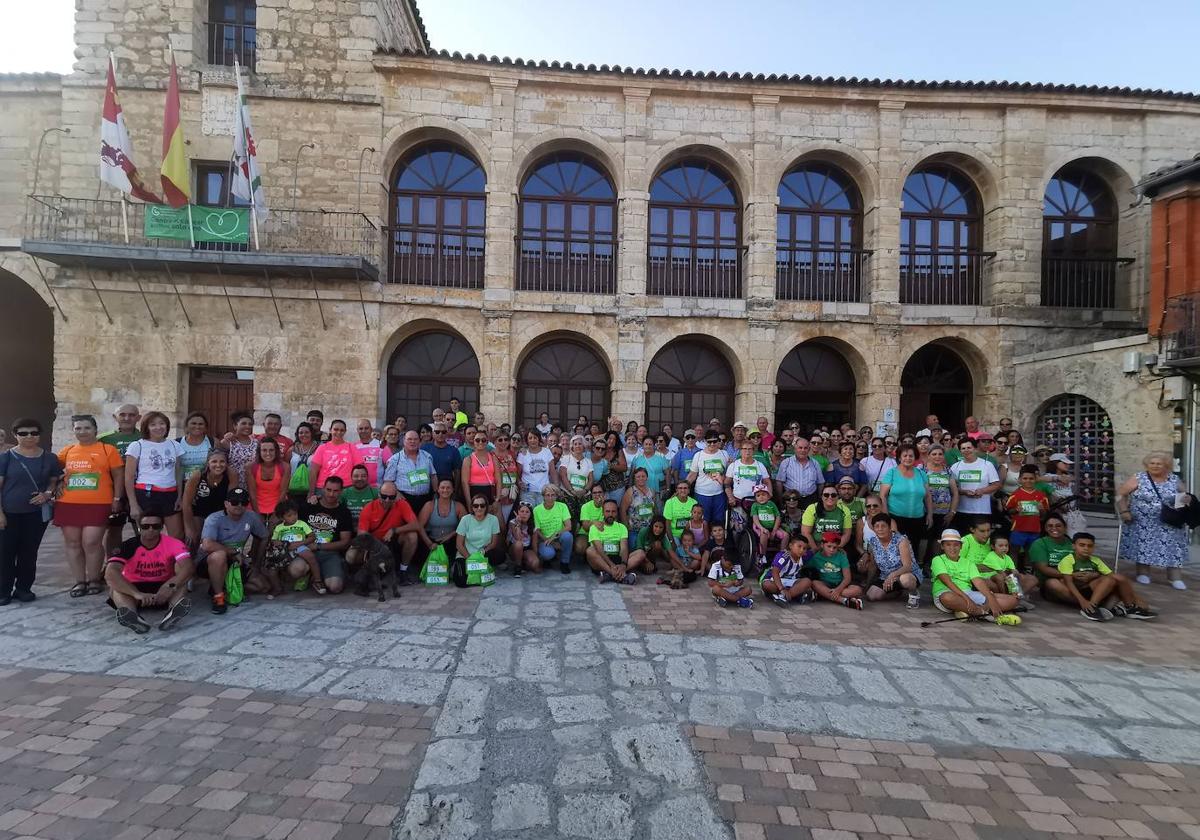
973	521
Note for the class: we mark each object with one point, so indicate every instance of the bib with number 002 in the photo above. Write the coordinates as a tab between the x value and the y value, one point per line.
83	481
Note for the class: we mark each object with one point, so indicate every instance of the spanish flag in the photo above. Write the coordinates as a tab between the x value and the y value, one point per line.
175	176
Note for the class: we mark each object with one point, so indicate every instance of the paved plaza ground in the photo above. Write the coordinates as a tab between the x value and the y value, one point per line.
551	706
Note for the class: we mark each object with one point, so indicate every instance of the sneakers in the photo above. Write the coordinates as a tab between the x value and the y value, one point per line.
780	599
1144	580
129	618
806	598
1119	610
852	603
24	596
605	577
565	568
1008	620
1023	601
914	601
218	604
745	603
960	615
1096	614
630	579
1140	613
1175	584
721	602
182	607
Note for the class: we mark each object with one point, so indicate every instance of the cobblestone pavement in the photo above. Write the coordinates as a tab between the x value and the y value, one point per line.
557	707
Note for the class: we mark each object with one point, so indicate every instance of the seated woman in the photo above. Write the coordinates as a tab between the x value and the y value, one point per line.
686	557
888	563
655	540
958	586
479	533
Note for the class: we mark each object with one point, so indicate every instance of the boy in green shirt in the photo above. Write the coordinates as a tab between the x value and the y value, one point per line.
359	494
678	509
291	540
1091	583
829	569
765	520
960	588
1005	577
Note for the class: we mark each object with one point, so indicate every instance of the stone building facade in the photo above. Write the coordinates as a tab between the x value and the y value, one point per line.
330	311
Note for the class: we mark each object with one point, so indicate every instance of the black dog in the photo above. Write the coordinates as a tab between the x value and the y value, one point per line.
378	567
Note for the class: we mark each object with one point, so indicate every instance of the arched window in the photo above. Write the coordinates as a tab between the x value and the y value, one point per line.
815	385
935	380
941	232
1079	241
437	224
695	232
818	247
688	383
565	379
568	211
427	370
1081	429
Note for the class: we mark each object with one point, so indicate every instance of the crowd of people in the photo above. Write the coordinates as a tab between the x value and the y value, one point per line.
833	514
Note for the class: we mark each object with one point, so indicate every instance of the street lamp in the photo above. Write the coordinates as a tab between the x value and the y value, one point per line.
296	172
37	162
358	200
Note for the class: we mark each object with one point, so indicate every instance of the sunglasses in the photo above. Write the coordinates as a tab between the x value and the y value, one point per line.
877	446
439	431
150	526
27	433
478	506
388	497
792	501
232	503
872	506
829	495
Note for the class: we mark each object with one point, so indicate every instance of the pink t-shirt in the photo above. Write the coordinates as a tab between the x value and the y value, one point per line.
370	455
150	565
334	459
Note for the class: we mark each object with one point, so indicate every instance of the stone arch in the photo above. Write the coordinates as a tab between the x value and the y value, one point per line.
533	149
416	130
451	322
972	162
663	338
543	339
26	356
956	400
563	395
691	390
734	161
855	164
833	371
1112	168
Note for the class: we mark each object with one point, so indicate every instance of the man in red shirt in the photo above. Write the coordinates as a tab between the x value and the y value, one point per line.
390	519
147	571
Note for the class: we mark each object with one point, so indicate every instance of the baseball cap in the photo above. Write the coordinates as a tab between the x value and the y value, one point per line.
950	535
761	488
689	434
1058	456
1019	450
238	496
847	480
831	537
984	436
738	423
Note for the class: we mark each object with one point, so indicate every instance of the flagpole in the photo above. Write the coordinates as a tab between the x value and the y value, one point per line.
237	76
124	218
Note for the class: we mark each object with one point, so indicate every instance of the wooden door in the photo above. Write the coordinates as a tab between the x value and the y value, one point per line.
218	393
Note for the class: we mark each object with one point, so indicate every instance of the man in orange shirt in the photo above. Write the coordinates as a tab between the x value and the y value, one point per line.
390	519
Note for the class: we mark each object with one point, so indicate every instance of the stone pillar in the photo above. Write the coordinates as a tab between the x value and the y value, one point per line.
758	226
629	381
496	384
634	199
501	197
884	223
756	393
882	388
1013	229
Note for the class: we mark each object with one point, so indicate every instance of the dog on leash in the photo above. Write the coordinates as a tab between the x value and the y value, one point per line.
378	569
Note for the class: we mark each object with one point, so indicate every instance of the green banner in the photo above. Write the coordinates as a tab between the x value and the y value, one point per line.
209	224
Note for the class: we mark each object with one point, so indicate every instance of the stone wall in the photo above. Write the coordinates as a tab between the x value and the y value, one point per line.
29	105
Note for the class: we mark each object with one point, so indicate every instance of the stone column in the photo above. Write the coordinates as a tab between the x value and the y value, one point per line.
501	197
1014	228
496	384
758	226
883	233
629	378
756	394
882	388
629	383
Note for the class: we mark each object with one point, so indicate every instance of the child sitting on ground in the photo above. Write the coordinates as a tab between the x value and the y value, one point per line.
830	570
784	579
726	581
290	541
960	588
1005	577
765	520
1091	583
716	541
686	557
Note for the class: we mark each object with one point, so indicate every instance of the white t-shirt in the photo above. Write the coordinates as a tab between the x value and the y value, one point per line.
578	472
973	476
535	469
745	476
875	470
156	462
673	446
710	472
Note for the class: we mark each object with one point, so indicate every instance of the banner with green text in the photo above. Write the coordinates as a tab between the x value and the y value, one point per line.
209	224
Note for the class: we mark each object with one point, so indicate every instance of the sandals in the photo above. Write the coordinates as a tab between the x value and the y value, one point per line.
95	587
79	589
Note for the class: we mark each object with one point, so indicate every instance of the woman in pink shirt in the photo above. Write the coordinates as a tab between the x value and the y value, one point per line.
334	457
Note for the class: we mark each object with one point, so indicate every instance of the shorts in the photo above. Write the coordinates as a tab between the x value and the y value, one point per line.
788	582
977	598
1020	539
417	501
488	491
731	591
332	564
147	588
118	519
157	502
69	515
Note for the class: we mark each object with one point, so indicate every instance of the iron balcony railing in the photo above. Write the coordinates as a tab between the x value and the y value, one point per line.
680	271
1082	283
948	277
564	265
227	41
1180	335
825	274
88	221
431	258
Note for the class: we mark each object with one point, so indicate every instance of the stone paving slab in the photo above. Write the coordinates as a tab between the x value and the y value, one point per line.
772	785
104	757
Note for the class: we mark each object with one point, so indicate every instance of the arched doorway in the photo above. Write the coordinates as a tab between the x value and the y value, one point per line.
689	382
428	369
815	386
26	356
564	378
1081	429
935	381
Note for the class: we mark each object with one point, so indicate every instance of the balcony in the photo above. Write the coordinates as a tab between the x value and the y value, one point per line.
1180	336
110	234
561	265
227	41
432	257
833	275
1081	283
942	278
694	272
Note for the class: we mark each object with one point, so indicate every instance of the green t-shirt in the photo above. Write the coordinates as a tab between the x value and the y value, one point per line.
550	522
356	500
828	569
974	550
678	513
1071	564
856	508
609	538
997	563
764	458
767	516
822	461
121	440
295	533
1045	551
590	512
838	520
953	456
961	571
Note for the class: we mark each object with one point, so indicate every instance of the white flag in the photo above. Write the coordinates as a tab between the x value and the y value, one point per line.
247	180
116	152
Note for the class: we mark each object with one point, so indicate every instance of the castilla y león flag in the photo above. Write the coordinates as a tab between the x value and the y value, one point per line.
116	152
175	176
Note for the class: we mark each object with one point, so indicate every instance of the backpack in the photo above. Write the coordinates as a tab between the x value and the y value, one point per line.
458	572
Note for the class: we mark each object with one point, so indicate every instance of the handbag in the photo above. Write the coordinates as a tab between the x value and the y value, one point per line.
1169	515
48	507
479	570
235	592
436	571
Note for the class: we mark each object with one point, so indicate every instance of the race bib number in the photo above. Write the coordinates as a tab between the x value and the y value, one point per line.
766	518
324	537
578	481
291	538
969	476
507	479
747	472
83	481
612	548
1029	508
939	480
680	524
714	466
645	510
418	478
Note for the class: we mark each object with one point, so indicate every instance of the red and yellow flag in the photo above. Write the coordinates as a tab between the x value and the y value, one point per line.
175	176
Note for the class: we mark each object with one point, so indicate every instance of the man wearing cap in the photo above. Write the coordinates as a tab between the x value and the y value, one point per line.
707	476
223	542
985	445
734	447
799	473
960	588
681	463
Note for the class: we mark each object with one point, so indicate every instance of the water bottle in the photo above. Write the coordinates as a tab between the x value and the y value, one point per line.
1014	585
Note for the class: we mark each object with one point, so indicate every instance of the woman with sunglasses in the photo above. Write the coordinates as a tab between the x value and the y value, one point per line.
93	487
204	493
481	474
827	516
791	518
28	478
